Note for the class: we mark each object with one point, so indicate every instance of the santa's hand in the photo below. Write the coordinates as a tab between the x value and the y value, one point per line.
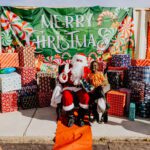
63	77
66	69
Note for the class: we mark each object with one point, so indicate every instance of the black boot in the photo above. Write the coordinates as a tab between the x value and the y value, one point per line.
70	118
95	113
105	117
107	106
59	110
81	114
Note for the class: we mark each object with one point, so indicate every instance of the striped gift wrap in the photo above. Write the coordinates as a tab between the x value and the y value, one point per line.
9	60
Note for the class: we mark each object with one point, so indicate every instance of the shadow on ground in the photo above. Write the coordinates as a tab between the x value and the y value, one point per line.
135	126
46	113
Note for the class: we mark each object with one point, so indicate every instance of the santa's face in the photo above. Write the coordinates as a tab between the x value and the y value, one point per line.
78	64
82	60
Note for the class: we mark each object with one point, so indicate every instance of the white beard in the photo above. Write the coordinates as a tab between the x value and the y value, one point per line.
77	72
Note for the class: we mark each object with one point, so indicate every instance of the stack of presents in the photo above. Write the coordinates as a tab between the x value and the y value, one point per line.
21	87
130	84
25	88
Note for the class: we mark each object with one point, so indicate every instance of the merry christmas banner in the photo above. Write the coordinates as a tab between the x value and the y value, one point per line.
61	32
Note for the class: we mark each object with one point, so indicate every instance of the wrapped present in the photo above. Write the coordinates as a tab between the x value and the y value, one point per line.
28	91
26	56
10	82
137	85
128	96
44	99
143	108
139	73
137	96
140	62
134	73
117	101
123	72
28	101
117	68
28	75
28	97
147	91
145	74
115	78
137	90
8	101
121	60
9	60
53	70
45	81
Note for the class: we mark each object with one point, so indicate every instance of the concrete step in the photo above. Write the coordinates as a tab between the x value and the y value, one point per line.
45	143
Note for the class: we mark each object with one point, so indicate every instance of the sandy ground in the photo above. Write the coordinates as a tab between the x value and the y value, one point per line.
44	143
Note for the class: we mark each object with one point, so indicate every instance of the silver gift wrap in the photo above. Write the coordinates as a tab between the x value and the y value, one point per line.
10	82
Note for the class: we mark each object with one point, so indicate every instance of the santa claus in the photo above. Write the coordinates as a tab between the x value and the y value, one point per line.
72	90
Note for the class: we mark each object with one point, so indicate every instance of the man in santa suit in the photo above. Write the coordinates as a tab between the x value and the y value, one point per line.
72	89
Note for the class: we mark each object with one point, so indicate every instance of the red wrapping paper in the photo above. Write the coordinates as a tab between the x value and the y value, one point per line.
26	56
117	102
28	76
117	68
45	82
8	101
44	99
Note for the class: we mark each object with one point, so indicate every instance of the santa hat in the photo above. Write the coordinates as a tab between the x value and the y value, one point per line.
81	55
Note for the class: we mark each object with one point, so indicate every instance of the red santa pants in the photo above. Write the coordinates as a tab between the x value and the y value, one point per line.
68	99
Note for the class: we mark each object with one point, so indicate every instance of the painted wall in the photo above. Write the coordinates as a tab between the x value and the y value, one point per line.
77	3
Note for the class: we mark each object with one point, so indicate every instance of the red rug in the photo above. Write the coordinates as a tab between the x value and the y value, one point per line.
73	138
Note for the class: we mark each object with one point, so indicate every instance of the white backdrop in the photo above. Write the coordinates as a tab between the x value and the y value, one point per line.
77	3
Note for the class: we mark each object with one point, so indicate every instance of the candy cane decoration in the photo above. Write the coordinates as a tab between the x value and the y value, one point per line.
48	59
92	53
8	24
105	14
32	44
26	32
68	61
6	39
126	28
11	20
18	27
40	57
66	53
90	59
58	61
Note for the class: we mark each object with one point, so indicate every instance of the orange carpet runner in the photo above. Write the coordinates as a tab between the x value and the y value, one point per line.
73	138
